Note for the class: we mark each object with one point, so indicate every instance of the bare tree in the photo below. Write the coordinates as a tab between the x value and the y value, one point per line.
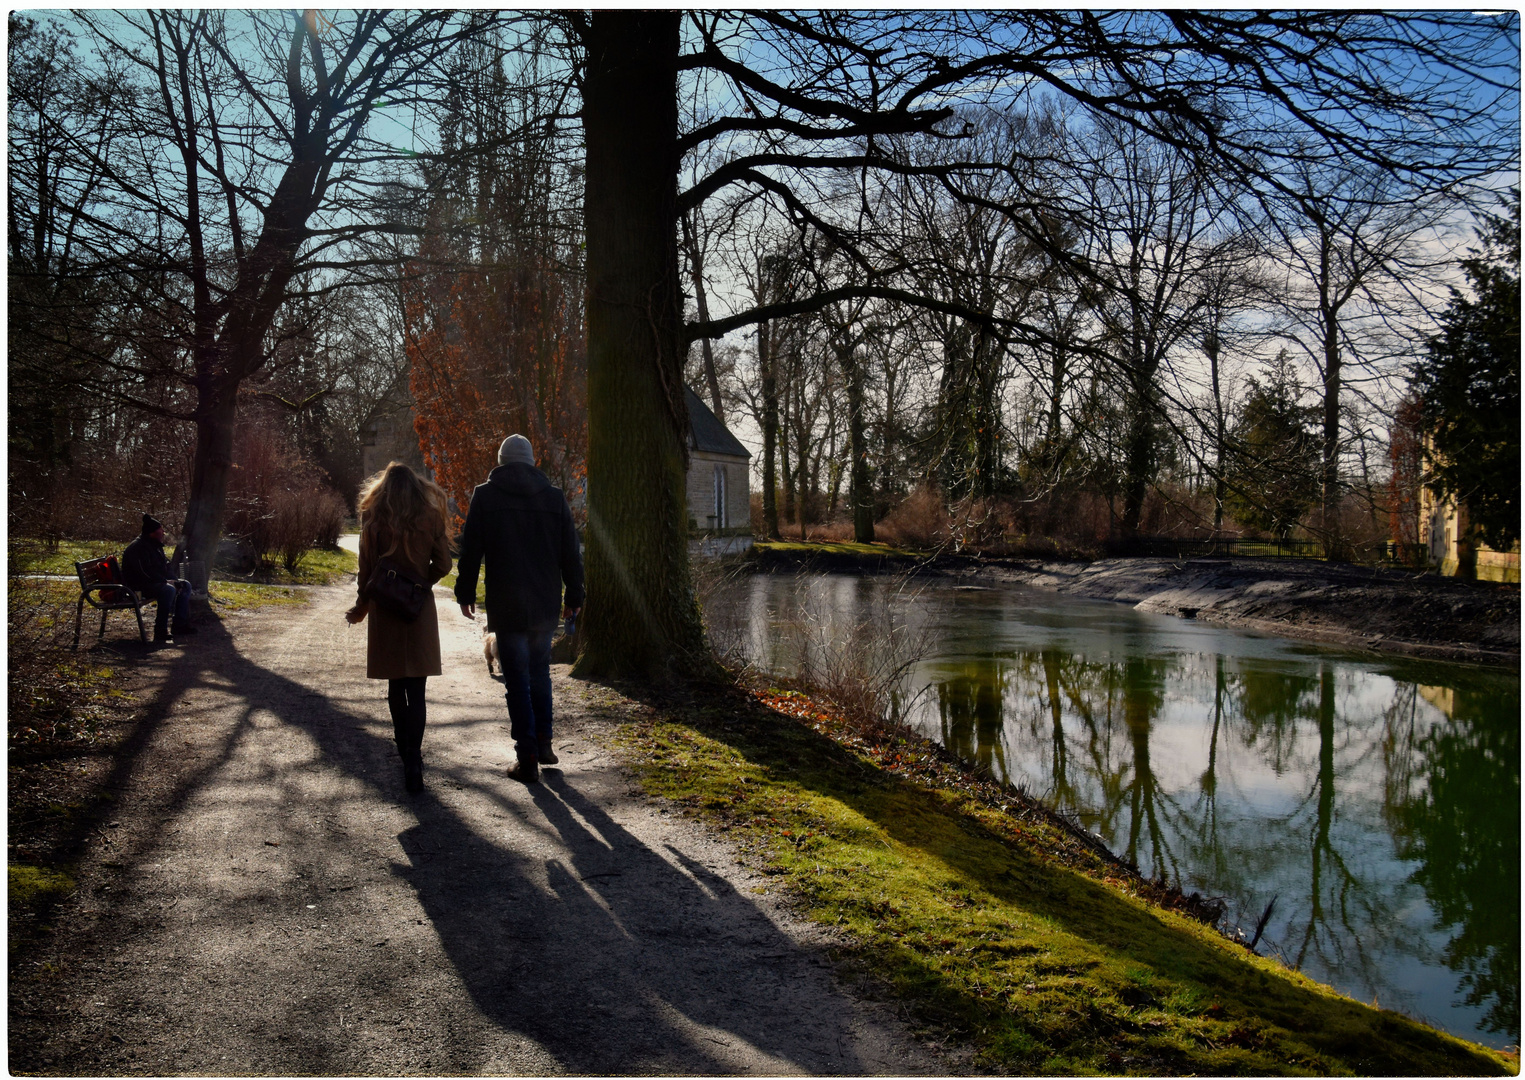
799	100
244	173
1351	242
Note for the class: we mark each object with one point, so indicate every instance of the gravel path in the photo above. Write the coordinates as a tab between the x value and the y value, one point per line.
268	901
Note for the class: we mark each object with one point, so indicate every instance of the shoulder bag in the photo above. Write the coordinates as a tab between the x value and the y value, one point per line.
395	590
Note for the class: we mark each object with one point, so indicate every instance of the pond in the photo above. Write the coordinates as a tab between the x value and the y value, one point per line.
1376	799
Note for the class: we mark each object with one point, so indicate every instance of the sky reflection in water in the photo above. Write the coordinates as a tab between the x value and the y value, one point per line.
1376	799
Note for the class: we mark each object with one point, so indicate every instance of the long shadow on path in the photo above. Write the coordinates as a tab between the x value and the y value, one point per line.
560	924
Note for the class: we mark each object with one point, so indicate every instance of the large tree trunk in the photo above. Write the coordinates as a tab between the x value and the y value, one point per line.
1334	547
986	414
861	488
216	417
641	617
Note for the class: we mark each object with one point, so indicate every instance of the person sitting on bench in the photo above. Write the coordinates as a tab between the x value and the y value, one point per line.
145	570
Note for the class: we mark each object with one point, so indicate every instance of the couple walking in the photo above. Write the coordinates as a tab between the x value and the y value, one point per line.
522	527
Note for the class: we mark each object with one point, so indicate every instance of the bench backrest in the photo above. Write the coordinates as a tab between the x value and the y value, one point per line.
103	571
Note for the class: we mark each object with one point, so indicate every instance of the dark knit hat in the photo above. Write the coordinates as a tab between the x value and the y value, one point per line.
149	525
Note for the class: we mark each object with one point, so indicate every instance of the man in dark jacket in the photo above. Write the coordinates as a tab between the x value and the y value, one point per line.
145	571
522	526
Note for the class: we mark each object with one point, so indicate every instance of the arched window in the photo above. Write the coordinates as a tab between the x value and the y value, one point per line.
720	522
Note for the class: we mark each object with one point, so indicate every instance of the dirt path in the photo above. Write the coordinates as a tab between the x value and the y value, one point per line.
268	901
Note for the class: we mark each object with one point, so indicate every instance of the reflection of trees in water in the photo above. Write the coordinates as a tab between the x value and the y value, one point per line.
1095	723
1027	695
1365	757
1343	915
1456	813
969	707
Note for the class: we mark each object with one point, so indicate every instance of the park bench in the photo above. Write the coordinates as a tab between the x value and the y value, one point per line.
100	585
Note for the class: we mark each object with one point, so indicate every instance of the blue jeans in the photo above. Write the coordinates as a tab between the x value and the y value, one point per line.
526	660
172	594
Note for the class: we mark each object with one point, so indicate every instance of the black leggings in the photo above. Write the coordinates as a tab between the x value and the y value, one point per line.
405	697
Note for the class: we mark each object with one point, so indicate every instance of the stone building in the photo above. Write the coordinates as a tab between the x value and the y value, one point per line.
387	434
719	493
1443	530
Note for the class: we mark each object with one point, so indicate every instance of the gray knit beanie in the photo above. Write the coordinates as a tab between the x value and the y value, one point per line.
516	450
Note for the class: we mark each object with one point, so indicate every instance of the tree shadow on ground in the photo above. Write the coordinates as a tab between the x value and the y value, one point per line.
570	931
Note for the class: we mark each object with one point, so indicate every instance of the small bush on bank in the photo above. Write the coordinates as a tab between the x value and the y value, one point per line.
920	521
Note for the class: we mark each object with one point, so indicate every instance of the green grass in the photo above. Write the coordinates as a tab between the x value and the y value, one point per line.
249	596
31	556
996	927
320	566
835	547
448	581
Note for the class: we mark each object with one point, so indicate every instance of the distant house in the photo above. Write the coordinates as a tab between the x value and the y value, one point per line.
1443	530
387	435
719	494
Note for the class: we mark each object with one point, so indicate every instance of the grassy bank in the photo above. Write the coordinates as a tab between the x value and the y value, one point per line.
991	922
320	566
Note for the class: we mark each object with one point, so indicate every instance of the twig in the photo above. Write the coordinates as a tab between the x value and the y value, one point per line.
1260	926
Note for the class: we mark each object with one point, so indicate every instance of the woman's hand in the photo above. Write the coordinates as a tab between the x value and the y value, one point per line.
354	614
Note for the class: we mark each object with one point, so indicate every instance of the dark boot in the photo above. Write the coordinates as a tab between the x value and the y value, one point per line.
418	720
526	771
547	753
413	774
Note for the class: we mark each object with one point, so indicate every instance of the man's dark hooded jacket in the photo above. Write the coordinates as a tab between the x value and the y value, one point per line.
522	525
144	565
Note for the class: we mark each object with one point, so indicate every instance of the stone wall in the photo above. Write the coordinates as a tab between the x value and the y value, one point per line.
701	494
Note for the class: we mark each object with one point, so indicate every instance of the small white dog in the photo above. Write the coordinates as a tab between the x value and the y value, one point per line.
490	650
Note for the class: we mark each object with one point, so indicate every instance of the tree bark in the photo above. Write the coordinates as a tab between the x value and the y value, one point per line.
1139	464
1334	547
641	617
216	417
860	490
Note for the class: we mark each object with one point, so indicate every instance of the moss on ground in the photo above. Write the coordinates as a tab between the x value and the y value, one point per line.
32	887
227	596
800	548
994	924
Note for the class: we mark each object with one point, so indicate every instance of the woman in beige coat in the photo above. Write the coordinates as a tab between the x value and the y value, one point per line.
402	518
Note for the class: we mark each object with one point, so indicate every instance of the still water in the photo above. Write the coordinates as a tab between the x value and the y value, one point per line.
1377	800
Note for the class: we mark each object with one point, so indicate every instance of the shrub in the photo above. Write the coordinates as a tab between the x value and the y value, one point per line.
921	521
302	520
276	505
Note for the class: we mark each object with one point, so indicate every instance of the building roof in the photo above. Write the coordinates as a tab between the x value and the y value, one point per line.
708	433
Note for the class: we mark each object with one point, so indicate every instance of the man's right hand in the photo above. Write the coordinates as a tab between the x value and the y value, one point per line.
469	610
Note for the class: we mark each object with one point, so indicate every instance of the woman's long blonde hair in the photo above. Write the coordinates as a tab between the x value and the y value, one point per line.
402	509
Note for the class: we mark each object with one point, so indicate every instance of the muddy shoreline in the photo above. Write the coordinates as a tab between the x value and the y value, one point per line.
1378	610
